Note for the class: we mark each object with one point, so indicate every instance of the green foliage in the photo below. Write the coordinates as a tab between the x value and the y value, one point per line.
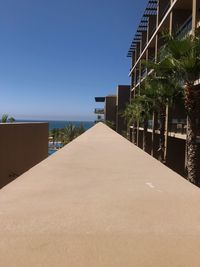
183	57
56	134
67	134
11	119
109	124
132	112
140	108
178	64
70	133
161	85
5	118
80	129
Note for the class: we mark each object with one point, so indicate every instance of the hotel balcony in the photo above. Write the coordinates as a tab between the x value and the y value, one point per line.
163	8
100	99
99	111
99	201
158	17
185	28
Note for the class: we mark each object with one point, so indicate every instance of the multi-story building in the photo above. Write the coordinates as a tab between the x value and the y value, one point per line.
114	106
100	110
175	16
108	112
123	98
178	17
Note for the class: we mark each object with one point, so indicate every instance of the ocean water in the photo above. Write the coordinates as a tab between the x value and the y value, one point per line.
62	124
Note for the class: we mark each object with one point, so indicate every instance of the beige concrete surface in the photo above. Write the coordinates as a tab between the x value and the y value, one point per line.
100	202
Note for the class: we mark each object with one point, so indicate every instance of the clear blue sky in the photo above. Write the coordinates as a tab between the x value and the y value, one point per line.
57	55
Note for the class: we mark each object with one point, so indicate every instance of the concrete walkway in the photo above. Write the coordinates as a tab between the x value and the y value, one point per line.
100	202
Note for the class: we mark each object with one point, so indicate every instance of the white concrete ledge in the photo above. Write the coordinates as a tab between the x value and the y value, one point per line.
99	202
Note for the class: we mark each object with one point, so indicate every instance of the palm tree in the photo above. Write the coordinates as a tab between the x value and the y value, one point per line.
80	129
145	106
11	119
54	134
162	89
183	57
5	118
70	132
131	115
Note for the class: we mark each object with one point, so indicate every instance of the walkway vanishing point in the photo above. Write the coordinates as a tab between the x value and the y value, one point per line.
100	202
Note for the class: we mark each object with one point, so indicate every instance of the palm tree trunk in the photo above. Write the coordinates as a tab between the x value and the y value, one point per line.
128	132
138	132
162	134
145	132
192	152
153	137
192	105
134	135
186	146
166	132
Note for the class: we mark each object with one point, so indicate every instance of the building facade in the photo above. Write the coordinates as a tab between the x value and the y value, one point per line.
180	18
114	106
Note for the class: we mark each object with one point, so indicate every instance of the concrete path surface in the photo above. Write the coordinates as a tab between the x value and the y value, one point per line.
100	202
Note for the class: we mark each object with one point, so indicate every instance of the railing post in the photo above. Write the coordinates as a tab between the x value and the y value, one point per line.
195	14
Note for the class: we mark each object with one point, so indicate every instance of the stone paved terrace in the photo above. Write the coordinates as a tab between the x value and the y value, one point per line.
100	202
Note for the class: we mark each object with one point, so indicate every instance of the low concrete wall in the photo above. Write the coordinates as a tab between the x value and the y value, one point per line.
100	202
22	146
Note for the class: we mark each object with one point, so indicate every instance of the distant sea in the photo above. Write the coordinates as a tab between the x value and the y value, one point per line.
62	124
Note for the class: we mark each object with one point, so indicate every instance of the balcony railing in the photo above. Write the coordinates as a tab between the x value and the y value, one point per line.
185	28
137	80
164	11
176	126
144	74
179	126
99	111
